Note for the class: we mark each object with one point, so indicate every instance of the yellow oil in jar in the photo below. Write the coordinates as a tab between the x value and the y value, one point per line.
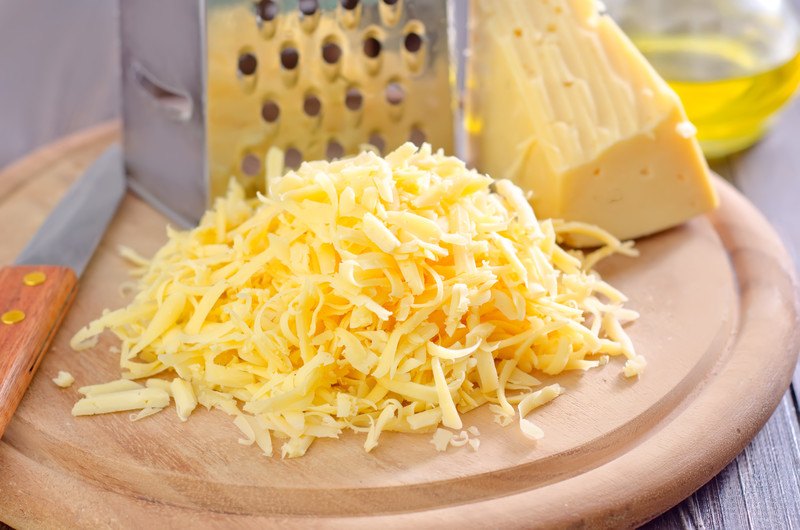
729	90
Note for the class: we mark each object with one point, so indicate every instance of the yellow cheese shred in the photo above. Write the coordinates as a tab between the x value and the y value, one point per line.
64	379
367	294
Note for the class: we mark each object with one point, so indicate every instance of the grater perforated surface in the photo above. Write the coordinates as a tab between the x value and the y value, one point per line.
320	78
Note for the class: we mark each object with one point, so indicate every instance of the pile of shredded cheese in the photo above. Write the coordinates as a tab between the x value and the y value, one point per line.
372	294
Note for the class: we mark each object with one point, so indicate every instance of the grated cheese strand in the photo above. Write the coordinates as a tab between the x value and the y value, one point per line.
63	379
367	294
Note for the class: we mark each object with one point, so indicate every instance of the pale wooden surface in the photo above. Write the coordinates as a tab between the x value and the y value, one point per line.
761	488
646	445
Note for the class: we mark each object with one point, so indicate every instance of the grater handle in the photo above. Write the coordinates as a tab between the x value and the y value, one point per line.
175	104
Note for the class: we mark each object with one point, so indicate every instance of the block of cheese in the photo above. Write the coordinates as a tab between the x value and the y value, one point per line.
562	103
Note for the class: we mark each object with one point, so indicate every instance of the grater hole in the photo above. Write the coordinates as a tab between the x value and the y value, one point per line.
334	150
395	94
308	7
390	12
417	136
349	4
270	111
331	52
267	10
377	140
251	165
413	42
248	64
293	158
290	57
413	46
372	47
312	106
353	99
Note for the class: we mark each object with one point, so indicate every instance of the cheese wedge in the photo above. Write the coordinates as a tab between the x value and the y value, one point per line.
562	103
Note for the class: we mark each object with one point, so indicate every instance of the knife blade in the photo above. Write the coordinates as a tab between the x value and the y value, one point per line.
37	291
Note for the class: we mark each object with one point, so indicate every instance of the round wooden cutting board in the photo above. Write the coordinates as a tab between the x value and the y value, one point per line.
719	328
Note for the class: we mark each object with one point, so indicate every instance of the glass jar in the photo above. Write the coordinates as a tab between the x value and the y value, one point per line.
734	63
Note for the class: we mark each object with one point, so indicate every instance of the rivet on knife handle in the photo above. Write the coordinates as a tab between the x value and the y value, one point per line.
32	279
31	314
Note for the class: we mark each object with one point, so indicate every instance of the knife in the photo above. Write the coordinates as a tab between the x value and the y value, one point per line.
37	291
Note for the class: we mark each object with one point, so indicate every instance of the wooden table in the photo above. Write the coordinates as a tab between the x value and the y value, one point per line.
761	488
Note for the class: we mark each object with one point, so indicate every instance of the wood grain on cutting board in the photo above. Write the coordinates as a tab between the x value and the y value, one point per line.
718	327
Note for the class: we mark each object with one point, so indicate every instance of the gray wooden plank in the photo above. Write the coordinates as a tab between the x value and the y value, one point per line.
769	471
769	175
759	489
796	390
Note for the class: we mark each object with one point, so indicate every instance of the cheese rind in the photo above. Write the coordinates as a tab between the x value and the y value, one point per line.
562	103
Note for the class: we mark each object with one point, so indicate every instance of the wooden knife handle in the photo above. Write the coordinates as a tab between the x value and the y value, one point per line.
33	302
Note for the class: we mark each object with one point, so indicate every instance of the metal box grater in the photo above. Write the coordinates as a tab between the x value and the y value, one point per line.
210	85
